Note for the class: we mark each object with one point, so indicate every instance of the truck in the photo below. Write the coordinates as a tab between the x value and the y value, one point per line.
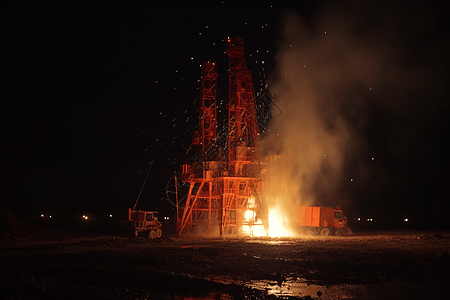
322	221
144	223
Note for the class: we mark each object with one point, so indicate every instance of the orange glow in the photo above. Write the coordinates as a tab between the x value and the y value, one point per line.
259	230
249	215
278	223
254	227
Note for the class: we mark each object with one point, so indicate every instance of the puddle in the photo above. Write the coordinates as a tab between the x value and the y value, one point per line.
292	288
300	288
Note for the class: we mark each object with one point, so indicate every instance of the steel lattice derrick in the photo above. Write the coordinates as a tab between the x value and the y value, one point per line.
242	127
207	135
250	112
208	111
223	196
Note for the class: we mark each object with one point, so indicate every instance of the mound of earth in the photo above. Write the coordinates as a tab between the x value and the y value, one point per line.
11	228
14	229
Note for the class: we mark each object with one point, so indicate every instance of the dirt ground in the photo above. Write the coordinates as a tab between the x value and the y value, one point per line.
392	265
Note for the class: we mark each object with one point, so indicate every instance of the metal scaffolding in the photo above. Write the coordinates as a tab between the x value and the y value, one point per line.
224	193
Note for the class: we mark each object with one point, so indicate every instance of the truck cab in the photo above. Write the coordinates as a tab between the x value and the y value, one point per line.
339	220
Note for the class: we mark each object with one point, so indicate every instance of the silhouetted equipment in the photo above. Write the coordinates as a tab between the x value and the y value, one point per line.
145	223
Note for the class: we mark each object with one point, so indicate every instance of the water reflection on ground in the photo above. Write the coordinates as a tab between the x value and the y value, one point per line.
300	288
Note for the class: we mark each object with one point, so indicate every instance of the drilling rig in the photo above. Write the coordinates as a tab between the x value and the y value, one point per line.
225	184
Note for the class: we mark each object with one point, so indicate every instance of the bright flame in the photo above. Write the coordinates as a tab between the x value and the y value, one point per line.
279	223
249	215
258	229
254	227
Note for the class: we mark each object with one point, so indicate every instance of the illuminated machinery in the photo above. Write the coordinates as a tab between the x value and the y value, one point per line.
224	186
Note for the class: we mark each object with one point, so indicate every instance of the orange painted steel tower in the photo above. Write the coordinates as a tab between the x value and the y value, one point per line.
207	135
224	192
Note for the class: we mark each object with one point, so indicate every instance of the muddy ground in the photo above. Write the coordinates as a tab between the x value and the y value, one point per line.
389	265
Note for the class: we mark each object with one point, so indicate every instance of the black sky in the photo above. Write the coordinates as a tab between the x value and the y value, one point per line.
95	92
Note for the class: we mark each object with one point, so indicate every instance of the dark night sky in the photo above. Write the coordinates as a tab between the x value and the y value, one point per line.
95	92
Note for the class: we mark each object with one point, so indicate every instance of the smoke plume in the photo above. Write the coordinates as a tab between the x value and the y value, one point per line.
344	82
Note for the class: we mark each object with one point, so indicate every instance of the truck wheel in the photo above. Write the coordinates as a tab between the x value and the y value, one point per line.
152	234
158	233
338	232
347	231
325	232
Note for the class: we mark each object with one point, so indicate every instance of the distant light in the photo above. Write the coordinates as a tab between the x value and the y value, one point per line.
351	179
405	220
50	217
369	220
373	158
110	216
359	219
42	215
166	218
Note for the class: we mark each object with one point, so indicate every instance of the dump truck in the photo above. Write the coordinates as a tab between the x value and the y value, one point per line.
144	223
322	221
